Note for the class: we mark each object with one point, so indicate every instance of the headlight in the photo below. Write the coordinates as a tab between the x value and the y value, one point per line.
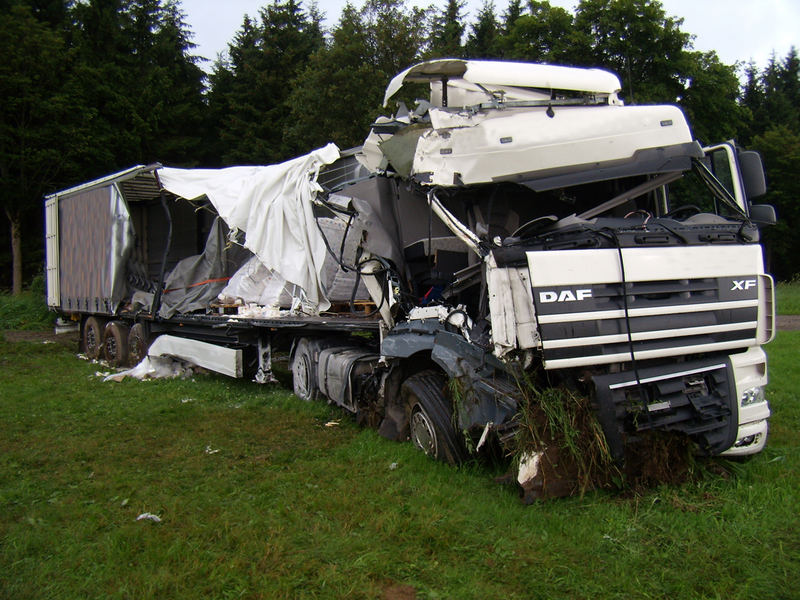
753	395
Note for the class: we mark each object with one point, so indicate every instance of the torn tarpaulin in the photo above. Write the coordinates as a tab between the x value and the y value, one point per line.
273	206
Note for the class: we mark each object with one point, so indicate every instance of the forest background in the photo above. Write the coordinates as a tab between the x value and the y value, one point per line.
90	87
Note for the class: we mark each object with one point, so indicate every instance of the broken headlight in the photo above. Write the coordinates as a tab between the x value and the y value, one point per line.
753	395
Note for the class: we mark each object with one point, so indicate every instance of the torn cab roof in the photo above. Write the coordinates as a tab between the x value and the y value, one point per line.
504	73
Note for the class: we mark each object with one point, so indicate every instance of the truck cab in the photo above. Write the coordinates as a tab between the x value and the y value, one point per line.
617	254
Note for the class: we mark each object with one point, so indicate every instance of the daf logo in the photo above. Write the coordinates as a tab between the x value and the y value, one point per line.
565	295
743	284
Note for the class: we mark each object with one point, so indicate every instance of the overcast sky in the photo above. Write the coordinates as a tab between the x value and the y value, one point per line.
739	30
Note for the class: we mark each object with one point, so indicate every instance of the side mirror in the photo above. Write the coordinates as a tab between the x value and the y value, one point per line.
752	170
763	214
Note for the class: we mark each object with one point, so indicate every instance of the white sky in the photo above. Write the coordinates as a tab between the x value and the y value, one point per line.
739	30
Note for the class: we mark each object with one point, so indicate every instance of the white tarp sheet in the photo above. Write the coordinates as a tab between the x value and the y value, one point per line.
273	206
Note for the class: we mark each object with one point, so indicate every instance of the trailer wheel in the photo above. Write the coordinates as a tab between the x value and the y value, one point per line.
138	343
304	372
115	344
93	338
431	417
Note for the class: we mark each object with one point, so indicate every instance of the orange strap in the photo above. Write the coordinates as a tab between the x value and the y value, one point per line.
218	279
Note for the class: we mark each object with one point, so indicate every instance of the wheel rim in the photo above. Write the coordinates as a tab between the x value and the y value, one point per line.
135	349
302	386
111	348
91	341
423	434
137	344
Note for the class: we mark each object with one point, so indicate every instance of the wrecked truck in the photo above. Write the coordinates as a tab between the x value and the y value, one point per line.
520	227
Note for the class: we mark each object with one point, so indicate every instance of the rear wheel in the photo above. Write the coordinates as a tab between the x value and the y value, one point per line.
115	344
431	417
304	372
93	338
138	343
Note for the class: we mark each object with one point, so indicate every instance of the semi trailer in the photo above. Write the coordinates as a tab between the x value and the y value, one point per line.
521	228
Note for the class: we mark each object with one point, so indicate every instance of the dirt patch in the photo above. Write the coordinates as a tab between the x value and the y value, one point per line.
562	451
788	322
399	592
69	339
658	457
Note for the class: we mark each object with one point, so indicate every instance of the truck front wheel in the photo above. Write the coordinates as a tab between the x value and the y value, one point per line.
431	417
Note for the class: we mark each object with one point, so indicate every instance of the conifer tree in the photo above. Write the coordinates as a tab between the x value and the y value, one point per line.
484	34
265	57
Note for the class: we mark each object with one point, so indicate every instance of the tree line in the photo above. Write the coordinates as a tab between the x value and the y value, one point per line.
93	86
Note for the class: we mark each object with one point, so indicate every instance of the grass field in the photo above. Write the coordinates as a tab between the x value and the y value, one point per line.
259	498
788	298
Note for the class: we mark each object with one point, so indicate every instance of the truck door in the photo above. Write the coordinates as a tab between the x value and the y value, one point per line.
741	173
722	162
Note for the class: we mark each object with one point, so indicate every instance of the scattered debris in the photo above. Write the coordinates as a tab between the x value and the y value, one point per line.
156	367
393	466
210	451
149	517
186	400
484	435
331	423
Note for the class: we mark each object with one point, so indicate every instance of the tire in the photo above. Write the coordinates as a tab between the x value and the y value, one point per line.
93	337
115	344
138	344
431	417
304	372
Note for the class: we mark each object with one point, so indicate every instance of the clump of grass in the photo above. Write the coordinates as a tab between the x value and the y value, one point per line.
563	428
26	311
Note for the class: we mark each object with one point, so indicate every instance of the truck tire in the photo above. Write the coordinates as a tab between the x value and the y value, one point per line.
138	344
431	417
115	344
93	338
304	372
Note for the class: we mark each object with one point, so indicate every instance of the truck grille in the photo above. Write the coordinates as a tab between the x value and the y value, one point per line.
665	318
589	323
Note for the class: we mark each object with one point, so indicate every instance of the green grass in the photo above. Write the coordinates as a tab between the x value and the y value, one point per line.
788	298
27	311
290	508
